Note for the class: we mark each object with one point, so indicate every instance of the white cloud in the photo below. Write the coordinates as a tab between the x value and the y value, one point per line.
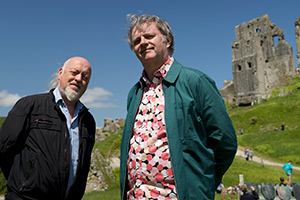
7	99
93	98
96	97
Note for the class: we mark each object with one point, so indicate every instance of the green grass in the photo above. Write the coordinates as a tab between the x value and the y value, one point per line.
110	146
270	114
260	121
2	120
112	193
255	173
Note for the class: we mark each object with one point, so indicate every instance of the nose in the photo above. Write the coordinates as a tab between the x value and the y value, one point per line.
143	41
78	77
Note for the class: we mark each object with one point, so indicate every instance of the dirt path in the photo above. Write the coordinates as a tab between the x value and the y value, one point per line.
263	161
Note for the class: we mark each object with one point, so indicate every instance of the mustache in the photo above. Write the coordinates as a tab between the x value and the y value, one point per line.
142	50
79	85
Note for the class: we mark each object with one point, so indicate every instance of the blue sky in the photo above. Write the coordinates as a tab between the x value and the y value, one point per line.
37	36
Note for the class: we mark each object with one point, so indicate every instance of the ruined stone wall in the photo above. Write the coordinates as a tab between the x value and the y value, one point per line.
261	60
297	32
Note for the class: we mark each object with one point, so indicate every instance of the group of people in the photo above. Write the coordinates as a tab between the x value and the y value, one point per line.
248	192
241	191
178	139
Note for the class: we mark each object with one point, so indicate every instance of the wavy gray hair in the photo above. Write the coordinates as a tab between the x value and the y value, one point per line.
162	25
54	82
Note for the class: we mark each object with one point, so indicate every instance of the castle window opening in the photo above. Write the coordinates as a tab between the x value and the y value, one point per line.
249	65
258	30
239	67
275	40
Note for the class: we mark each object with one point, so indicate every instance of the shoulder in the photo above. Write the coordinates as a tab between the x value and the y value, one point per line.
24	104
37	97
193	75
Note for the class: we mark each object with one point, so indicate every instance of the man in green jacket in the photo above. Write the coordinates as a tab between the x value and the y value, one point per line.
178	139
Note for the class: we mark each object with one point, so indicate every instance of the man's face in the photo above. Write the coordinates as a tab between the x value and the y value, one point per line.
74	78
149	44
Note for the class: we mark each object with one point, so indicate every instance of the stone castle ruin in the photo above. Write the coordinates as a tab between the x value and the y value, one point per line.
297	32
261	61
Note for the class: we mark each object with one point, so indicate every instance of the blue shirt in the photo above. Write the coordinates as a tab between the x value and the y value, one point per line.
73	132
288	168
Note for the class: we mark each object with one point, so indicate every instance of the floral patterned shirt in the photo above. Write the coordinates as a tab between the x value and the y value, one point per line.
150	174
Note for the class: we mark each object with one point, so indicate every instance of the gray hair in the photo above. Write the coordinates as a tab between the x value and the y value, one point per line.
162	25
54	81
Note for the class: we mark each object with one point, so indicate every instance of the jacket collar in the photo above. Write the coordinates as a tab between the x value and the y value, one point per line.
172	74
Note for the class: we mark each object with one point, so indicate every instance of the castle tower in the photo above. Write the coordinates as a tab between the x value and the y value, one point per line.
297	30
261	60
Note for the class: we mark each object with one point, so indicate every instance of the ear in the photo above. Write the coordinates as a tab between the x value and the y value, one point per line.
60	71
169	41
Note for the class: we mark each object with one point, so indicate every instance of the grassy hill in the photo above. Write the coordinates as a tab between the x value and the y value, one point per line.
261	126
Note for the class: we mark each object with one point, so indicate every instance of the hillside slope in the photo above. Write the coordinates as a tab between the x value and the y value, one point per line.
261	125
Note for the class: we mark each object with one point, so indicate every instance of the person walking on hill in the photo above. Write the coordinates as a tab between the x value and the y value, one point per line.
288	168
178	139
47	139
250	154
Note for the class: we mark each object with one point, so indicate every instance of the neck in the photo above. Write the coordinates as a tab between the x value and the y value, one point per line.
70	105
150	67
71	108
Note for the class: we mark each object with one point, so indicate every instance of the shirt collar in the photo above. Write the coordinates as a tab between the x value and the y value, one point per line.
159	73
57	95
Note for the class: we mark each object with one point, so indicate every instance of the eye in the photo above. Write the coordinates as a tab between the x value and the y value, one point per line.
149	36
85	76
74	73
136	41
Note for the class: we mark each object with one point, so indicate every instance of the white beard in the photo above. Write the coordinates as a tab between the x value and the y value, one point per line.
71	95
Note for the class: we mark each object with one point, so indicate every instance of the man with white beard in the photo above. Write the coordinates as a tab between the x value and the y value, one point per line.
47	139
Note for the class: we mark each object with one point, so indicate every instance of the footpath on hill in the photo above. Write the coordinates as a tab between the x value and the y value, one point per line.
263	161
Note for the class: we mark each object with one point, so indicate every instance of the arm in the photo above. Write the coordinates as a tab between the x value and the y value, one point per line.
12	134
255	195
218	125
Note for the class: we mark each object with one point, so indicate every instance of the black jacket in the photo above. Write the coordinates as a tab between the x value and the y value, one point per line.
249	196
35	150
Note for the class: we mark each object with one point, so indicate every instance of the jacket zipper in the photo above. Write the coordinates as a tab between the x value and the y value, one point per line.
28	174
65	163
43	121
